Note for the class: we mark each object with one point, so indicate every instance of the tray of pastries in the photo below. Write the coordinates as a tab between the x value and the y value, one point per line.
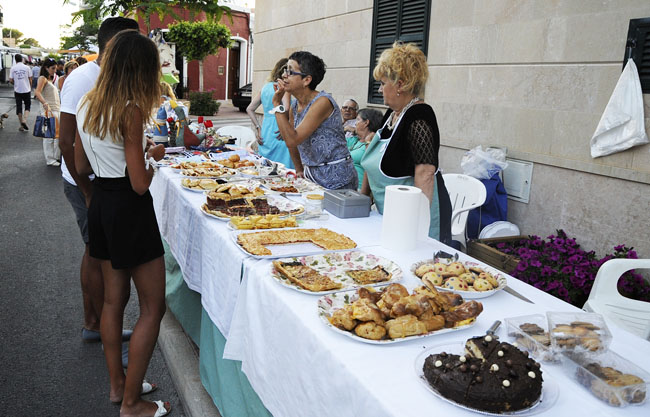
235	162
578	332
179	166
290	186
241	201
487	376
530	333
392	314
608	376
470	279
258	222
291	242
208	172
201	185
330	272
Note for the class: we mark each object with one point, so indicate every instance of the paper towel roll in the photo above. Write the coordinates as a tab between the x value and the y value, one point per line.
406	217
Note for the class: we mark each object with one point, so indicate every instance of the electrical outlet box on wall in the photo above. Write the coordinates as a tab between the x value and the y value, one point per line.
517	178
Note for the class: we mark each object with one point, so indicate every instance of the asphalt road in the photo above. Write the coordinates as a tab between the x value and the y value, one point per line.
45	367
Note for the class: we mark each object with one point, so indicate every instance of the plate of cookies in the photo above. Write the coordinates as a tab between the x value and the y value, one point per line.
469	279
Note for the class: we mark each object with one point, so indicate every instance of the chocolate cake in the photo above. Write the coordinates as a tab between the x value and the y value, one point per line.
491	376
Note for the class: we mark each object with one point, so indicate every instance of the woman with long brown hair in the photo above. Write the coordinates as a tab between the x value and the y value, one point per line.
122	225
48	95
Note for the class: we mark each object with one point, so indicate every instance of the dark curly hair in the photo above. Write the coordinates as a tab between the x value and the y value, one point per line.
310	64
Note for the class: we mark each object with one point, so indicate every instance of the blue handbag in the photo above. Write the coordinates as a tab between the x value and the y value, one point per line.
45	127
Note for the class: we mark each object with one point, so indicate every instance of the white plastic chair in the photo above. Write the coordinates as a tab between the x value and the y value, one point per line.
465	193
243	134
604	298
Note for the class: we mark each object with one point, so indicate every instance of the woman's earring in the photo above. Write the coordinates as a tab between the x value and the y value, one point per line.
398	93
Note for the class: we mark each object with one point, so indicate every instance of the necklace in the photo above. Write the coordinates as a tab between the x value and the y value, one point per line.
398	115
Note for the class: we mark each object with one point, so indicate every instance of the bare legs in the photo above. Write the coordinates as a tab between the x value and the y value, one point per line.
92	289
149	279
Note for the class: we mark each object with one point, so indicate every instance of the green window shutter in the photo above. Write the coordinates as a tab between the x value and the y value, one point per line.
638	48
405	20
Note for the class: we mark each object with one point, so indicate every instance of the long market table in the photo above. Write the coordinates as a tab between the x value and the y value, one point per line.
264	351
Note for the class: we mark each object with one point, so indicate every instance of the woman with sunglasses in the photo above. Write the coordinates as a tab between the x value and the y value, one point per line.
48	95
312	125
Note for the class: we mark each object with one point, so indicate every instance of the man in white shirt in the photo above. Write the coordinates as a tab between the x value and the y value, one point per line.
349	113
78	189
21	77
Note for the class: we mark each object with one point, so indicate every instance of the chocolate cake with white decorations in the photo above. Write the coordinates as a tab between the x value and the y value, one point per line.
491	376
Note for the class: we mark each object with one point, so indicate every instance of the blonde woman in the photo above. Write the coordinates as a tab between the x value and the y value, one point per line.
404	151
48	95
122	225
67	69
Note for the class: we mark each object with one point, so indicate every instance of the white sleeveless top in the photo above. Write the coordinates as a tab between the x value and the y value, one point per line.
105	156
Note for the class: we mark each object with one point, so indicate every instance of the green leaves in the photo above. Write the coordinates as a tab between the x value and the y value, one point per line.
197	40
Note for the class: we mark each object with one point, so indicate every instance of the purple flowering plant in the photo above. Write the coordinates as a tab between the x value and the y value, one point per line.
560	267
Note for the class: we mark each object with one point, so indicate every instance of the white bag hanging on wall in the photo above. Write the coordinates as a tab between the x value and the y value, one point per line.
621	126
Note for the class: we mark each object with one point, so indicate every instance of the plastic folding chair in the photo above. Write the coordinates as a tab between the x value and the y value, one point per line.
465	193
244	135
604	298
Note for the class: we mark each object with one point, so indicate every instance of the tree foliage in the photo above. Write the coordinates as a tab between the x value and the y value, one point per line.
143	9
82	36
12	33
29	42
197	40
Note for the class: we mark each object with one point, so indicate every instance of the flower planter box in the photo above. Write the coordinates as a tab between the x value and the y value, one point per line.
480	250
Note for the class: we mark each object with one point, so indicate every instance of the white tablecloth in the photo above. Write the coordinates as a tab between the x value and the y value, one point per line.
300	367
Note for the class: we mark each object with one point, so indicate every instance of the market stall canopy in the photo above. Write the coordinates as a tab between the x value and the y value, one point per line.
91	57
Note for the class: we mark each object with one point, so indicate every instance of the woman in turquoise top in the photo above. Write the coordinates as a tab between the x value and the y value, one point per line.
269	144
405	150
367	123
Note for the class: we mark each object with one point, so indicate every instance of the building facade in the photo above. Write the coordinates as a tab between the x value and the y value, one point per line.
222	73
530	76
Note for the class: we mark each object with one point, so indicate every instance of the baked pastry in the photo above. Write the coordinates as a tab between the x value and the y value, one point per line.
370	330
254	243
432	279
606	377
370	276
306	277
402	314
421	270
491	376
404	326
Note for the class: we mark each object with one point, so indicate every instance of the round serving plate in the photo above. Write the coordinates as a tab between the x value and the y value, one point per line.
337	299
550	389
468	295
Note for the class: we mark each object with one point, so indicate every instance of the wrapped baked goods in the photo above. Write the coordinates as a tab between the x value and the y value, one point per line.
578	332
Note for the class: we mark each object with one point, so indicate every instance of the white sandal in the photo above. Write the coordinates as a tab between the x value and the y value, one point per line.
162	411
148	388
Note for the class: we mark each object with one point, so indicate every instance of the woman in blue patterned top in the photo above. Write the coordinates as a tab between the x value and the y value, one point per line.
312	125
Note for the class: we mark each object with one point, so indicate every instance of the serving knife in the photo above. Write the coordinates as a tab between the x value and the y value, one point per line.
516	294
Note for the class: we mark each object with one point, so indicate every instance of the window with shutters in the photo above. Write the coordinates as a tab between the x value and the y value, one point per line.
404	20
638	48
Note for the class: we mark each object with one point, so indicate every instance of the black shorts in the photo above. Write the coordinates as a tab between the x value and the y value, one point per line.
23	98
122	224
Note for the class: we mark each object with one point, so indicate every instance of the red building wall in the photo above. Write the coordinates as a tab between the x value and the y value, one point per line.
212	80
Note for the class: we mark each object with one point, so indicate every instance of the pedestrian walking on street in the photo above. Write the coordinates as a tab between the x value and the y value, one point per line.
48	95
122	223
21	77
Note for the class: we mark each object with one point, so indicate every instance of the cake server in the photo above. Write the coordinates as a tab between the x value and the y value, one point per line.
516	294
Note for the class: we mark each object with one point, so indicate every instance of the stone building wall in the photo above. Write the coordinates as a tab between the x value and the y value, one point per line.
533	76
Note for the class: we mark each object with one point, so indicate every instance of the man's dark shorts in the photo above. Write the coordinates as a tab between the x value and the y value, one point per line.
23	98
78	203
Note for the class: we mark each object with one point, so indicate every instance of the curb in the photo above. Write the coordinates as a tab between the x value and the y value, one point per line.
183	363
